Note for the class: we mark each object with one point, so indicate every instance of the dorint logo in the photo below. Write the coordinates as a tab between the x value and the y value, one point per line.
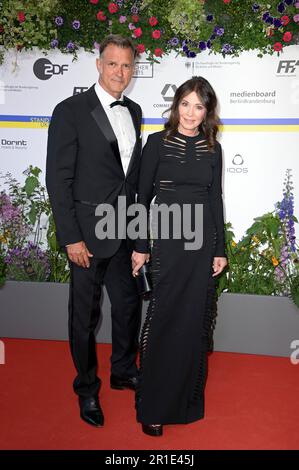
44	69
168	92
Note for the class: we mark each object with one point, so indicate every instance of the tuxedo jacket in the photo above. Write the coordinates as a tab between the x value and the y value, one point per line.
84	169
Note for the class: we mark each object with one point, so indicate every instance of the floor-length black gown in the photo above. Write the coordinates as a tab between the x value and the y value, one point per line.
174	341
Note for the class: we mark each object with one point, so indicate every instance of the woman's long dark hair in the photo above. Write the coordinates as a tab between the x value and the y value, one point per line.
207	95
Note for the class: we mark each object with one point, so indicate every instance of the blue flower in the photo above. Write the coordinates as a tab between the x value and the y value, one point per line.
227	48
209	44
54	43
174	42
277	23
255	7
219	31
191	54
210	18
269	20
76	24
59	21
281	7
70	46
202	45
134	10
265	16
288	2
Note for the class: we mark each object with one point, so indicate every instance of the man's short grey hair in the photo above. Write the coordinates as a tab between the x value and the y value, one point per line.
118	41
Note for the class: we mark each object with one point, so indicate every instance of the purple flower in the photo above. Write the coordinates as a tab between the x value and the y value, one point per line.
277	23
269	20
212	37
210	18
54	43
288	2
255	7
297	4
134	10
281	7
219	30
227	48
209	44
174	42
265	16
191	54
59	21
122	19
202	45
76	24
70	46
119	3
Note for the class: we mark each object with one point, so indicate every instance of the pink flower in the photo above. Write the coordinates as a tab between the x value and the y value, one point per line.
101	16
277	46
140	48
95	2
156	34
135	18
113	8
137	32
297	4
153	21
296	18
131	26
122	19
158	52
21	16
287	36
285	20
226	1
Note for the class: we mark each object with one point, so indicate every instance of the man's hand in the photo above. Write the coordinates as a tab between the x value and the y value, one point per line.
138	260
79	254
219	264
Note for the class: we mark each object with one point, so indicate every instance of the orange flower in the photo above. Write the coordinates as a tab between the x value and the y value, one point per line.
274	261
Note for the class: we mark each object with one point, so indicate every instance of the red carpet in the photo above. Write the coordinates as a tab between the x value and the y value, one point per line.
251	403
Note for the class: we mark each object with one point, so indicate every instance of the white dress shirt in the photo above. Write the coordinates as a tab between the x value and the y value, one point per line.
122	125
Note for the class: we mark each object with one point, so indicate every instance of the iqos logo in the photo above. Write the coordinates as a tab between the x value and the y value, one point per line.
238	162
44	69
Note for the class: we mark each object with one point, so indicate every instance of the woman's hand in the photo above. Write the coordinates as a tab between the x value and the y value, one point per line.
138	260
219	264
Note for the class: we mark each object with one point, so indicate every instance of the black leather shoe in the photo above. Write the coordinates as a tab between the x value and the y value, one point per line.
91	411
152	430
119	384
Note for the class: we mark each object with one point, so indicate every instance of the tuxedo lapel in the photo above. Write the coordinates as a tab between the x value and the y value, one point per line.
100	117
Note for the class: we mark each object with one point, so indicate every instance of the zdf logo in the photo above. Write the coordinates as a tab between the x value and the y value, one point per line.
287	66
44	69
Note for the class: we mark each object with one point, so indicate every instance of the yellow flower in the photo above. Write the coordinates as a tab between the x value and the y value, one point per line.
3	239
234	243
243	248
255	239
275	262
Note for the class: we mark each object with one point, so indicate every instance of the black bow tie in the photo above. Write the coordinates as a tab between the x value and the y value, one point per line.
119	102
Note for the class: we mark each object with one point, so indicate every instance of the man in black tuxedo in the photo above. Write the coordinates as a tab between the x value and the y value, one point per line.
93	157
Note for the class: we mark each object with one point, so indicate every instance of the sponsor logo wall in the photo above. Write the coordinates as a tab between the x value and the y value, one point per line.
259	109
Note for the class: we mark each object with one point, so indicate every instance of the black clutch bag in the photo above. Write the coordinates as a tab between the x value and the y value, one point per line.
144	283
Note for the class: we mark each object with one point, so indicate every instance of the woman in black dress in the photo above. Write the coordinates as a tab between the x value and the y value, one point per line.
181	165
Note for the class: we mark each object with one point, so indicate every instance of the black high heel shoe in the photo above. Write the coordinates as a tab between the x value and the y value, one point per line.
152	429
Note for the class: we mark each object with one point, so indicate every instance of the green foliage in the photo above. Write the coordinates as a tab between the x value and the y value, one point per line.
226	28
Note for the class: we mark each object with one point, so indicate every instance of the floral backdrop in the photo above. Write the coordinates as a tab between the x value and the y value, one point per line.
265	260
156	26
